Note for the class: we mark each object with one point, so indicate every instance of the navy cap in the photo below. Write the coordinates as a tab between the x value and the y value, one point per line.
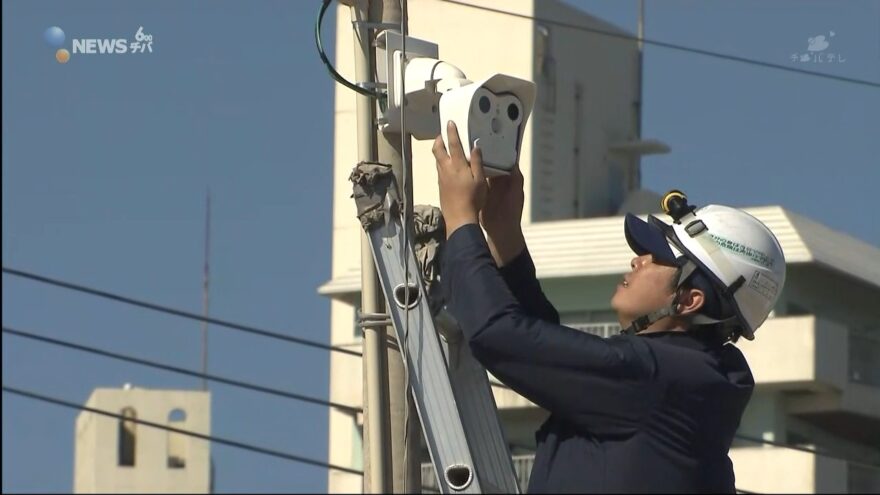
645	238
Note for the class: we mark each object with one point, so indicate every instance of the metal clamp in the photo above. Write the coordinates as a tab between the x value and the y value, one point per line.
372	85
375	25
372	320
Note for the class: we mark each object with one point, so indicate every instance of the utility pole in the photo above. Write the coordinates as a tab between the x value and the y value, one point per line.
396	150
392	433
376	444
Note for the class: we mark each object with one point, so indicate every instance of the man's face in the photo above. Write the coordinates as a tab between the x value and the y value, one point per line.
646	288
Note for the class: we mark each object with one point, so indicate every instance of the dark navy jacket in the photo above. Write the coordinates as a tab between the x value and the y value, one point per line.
647	413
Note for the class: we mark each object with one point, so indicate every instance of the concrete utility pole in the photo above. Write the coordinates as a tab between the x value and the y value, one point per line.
406	432
375	416
392	434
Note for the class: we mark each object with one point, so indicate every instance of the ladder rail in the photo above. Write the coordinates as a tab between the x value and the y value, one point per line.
450	388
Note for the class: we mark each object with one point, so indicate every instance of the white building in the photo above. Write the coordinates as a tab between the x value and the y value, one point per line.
120	456
816	361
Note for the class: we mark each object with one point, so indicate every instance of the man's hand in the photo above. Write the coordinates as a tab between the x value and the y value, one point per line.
502	216
502	212
463	186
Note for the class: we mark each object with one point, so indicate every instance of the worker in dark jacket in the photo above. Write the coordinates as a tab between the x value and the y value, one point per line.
652	410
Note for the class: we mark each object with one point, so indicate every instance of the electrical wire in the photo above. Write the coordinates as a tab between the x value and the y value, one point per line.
210	438
176	312
817	452
762	441
202	436
333	73
181	371
407	396
235	326
673	46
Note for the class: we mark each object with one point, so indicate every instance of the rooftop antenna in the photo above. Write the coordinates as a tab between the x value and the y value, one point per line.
641	45
205	281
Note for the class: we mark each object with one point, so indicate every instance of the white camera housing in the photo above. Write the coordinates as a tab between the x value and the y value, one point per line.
432	92
494	113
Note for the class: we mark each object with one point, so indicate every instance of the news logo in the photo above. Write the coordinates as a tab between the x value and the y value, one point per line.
142	43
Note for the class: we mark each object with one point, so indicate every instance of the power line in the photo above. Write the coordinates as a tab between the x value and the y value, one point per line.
210	438
176	312
821	453
673	46
759	441
182	371
249	329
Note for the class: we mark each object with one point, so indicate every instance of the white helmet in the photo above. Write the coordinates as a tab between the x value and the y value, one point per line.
739	255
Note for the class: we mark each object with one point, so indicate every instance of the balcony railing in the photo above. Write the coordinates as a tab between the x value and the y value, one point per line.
604	330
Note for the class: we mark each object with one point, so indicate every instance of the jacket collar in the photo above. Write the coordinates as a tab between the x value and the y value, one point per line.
692	340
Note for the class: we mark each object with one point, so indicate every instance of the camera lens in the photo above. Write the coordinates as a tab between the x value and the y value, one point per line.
513	111
485	104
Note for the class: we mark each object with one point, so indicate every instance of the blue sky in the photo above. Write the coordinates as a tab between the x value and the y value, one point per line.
106	160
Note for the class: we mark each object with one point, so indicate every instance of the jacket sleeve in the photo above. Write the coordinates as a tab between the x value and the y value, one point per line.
520	277
599	385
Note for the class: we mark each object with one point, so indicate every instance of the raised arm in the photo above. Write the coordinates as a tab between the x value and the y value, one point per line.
501	217
597	384
521	279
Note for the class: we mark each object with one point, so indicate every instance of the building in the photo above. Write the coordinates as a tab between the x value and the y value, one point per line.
816	361
121	456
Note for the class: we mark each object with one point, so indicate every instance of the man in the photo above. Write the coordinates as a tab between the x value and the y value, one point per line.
653	410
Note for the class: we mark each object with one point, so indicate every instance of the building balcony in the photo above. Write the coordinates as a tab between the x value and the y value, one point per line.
824	367
827	374
811	353
768	469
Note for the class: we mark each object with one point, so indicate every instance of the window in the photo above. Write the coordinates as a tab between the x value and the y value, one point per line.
127	437
176	441
358	331
357	444
546	68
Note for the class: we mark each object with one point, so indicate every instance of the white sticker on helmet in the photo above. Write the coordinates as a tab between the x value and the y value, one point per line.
764	285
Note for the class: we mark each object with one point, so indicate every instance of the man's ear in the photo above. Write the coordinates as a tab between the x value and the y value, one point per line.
690	301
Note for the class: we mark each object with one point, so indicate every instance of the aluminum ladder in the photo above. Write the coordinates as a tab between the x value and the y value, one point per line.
451	389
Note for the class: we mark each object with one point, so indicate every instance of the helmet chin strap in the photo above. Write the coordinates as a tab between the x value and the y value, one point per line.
649	319
641	323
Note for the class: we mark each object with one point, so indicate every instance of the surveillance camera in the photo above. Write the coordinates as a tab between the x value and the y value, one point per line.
493	111
431	92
